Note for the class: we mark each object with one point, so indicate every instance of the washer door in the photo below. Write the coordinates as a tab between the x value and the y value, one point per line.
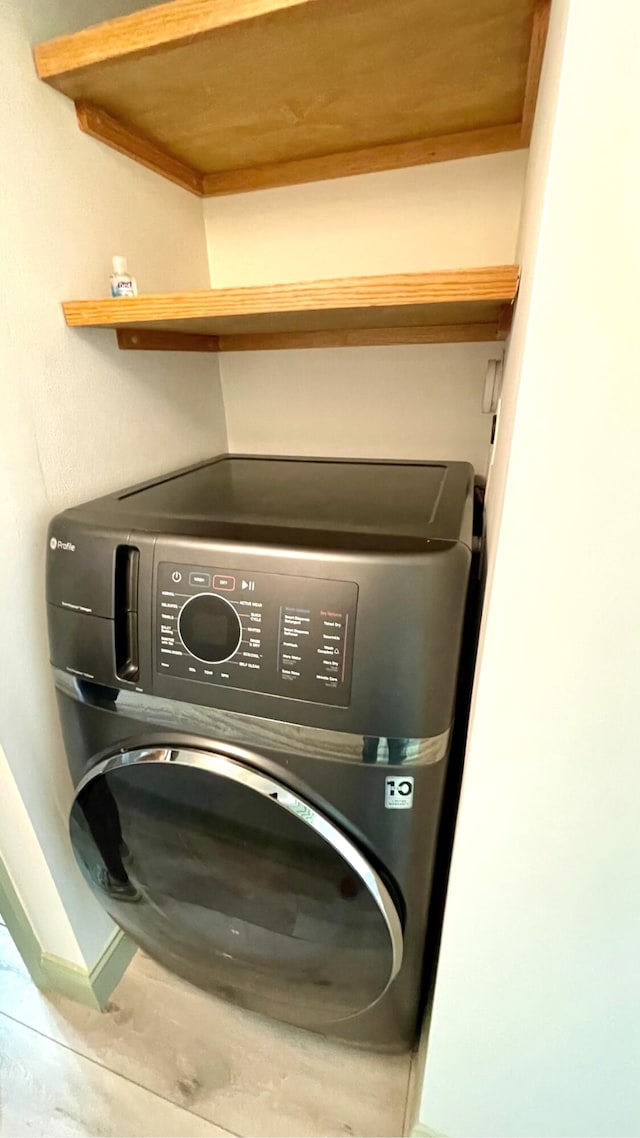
229	879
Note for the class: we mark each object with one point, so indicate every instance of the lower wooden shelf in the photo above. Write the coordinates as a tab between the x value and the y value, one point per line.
409	308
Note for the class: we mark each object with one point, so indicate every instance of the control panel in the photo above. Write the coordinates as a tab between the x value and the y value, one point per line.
263	632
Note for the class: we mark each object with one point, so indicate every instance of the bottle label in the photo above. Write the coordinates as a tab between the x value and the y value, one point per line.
122	287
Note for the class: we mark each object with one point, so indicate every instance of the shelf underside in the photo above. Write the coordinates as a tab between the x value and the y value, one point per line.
223	96
472	304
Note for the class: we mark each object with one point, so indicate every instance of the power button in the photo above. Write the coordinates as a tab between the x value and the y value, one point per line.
176	576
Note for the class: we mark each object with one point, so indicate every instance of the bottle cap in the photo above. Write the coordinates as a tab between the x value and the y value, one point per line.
119	264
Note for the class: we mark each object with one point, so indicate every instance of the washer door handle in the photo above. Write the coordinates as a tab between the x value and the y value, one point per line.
227	768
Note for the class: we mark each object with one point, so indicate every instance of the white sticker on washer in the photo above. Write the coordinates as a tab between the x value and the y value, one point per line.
398	792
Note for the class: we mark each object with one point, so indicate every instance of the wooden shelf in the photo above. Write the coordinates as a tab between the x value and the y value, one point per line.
223	96
411	308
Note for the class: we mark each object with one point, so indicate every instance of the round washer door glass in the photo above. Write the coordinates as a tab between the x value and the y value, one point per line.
242	887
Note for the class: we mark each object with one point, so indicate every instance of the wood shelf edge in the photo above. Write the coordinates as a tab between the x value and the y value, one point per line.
118	135
150	30
361	337
370	160
98	124
498	282
505	320
539	31
155	340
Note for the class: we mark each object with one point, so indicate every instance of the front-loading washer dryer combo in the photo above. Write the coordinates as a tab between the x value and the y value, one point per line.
255	662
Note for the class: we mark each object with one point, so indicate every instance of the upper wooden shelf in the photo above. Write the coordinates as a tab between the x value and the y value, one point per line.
414	308
223	96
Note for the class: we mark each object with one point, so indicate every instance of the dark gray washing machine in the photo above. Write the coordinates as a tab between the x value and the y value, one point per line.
255	662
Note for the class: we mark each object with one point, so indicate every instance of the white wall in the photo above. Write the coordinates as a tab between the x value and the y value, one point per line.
536	1023
394	402
78	417
44	21
22	854
529	249
448	215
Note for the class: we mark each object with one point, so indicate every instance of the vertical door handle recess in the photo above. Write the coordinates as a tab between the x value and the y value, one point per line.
127	565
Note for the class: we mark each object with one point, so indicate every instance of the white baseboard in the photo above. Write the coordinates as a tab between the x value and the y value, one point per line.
90	987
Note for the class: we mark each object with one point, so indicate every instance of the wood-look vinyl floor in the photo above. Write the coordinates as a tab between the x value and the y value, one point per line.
165	1059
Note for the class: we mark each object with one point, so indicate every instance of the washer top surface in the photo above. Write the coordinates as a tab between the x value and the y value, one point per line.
300	501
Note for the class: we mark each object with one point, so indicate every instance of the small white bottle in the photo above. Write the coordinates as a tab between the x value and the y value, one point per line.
122	283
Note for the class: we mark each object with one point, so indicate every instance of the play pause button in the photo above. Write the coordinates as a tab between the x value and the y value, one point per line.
249	585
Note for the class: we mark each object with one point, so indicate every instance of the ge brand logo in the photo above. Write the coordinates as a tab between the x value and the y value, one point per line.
398	793
55	543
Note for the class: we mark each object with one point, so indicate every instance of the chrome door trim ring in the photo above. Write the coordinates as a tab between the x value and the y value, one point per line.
225	767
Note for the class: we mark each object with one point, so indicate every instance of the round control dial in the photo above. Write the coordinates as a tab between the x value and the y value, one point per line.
210	628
